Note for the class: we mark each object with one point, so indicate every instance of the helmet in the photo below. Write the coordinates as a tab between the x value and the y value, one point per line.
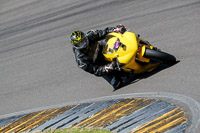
79	39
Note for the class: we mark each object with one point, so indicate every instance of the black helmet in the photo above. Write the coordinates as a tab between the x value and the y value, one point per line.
79	39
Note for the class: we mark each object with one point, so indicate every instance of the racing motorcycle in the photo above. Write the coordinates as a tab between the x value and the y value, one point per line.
133	54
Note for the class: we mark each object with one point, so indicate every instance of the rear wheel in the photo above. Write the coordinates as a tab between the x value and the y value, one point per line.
160	56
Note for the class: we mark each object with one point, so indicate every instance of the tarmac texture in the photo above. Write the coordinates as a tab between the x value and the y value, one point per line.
37	65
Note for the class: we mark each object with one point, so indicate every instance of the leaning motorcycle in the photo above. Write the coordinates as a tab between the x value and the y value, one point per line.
133	54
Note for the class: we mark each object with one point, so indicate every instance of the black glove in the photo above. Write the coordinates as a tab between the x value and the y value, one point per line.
109	67
120	28
110	29
99	71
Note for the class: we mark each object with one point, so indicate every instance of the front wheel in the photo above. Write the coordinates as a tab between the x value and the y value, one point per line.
160	56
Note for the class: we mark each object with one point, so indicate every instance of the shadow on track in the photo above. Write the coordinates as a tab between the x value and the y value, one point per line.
135	78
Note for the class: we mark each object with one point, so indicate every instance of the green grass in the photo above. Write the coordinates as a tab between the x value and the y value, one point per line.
77	130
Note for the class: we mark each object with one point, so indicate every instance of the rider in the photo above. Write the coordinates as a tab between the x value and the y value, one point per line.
89	57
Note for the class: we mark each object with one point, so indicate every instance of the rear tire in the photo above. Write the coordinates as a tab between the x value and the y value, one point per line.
160	56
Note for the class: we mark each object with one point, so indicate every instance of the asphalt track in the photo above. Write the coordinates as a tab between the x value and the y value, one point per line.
37	66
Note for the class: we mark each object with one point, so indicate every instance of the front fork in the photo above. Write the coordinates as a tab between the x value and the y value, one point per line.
142	46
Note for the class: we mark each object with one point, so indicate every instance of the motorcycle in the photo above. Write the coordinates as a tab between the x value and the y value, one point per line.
133	54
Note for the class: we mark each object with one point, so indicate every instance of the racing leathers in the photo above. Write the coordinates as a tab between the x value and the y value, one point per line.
91	58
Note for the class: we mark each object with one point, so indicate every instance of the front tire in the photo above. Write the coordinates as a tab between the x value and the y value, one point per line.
160	56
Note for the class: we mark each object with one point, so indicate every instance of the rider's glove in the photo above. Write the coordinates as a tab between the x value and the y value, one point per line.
120	28
110	29
109	67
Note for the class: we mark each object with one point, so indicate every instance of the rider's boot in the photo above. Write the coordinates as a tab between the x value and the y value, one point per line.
116	83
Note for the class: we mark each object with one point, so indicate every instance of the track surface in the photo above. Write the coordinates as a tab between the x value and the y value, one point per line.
37	65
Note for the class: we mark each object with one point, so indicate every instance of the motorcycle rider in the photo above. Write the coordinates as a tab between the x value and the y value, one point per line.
89	57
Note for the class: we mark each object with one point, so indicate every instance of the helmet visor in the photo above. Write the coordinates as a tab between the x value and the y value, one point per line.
82	43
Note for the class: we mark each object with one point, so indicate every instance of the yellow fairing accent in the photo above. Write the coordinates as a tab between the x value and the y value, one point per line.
141	54
126	52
